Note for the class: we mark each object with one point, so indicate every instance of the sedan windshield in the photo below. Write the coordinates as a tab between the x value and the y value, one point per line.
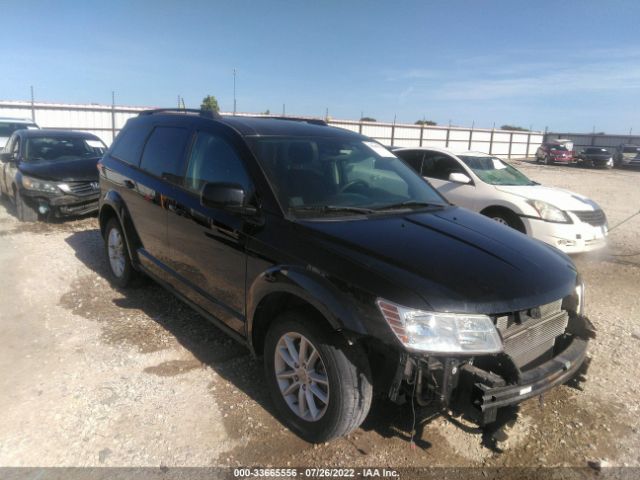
58	148
494	171
320	176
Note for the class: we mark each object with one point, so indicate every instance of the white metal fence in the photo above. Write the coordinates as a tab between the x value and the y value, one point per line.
105	121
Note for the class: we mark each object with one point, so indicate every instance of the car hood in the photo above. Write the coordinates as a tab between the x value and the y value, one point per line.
82	169
562	199
454	259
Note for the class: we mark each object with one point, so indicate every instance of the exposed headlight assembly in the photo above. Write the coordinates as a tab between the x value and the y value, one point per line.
36	184
433	332
548	212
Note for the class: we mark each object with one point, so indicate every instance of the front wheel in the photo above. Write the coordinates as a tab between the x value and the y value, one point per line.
506	217
321	387
547	160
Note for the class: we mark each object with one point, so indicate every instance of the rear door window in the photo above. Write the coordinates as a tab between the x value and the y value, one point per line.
164	152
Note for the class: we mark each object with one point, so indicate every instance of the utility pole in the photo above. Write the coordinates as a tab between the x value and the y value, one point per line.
326	114
33	107
284	111
113	115
234	91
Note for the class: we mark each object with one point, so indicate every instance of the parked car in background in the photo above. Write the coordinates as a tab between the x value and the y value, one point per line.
10	125
51	172
555	152
595	157
485	184
326	255
627	154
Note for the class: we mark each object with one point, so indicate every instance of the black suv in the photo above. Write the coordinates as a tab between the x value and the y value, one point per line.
325	254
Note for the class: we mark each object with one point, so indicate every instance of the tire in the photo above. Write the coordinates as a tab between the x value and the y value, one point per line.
507	218
342	374
24	211
547	160
121	272
609	164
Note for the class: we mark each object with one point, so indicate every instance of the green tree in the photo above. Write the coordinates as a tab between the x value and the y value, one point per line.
210	103
266	112
368	119
426	122
513	127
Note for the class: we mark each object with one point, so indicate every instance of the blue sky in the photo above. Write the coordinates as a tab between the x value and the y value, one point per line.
568	65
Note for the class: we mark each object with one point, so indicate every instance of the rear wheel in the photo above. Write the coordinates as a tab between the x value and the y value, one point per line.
24	211
320	386
120	268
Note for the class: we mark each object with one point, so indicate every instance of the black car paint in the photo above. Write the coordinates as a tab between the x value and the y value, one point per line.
596	157
236	269
76	170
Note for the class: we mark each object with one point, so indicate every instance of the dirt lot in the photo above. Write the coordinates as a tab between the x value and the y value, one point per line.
93	376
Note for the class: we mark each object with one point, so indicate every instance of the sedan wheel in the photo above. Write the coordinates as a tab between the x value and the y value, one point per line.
116	252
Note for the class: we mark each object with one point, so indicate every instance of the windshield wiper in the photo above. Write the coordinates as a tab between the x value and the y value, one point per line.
332	208
410	203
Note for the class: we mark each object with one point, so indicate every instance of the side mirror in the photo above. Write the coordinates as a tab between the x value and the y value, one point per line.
459	178
7	157
226	196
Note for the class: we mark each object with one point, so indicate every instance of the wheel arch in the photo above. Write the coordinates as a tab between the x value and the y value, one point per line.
113	206
506	210
282	288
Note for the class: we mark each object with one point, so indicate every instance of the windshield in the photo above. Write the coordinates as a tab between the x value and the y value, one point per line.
346	175
561	148
596	150
60	148
631	150
494	171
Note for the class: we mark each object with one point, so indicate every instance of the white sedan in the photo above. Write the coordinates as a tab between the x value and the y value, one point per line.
483	183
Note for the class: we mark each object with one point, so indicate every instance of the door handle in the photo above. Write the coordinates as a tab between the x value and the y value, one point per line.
129	184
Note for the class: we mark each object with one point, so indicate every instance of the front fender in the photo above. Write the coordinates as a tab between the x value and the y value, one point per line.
338	308
112	201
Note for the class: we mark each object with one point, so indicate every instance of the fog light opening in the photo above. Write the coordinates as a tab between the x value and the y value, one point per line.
43	208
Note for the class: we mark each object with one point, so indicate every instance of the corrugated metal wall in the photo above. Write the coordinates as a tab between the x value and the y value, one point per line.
105	121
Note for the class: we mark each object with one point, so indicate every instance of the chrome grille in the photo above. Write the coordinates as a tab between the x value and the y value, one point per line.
83	188
592	217
529	334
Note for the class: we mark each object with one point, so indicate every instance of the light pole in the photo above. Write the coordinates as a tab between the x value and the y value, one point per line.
234	91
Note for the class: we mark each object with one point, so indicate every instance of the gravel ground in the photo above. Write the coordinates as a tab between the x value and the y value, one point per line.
94	376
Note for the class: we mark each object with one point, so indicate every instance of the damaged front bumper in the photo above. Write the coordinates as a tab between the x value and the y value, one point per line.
478	386
61	204
490	391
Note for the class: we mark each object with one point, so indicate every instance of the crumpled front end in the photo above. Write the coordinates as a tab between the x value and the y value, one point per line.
544	347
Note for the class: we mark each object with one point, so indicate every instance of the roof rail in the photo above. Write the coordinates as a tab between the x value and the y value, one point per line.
202	113
314	121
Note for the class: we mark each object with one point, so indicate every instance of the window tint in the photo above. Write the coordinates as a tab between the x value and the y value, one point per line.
440	166
164	151
413	158
213	159
129	143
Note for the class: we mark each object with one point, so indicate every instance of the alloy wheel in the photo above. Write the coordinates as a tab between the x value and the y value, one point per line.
116	252
301	376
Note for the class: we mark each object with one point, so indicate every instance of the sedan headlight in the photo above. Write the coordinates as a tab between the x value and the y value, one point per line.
36	184
441	332
549	213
